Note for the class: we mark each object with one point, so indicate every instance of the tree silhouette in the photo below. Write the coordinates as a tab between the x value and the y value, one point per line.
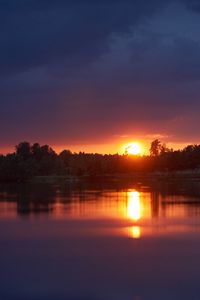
158	148
155	148
23	150
36	160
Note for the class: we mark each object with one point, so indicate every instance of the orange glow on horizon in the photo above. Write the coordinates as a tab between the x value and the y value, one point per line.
112	146
117	146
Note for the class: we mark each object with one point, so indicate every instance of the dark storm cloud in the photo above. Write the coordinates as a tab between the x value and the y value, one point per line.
35	33
193	5
86	70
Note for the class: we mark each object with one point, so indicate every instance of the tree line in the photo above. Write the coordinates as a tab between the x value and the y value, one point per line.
30	160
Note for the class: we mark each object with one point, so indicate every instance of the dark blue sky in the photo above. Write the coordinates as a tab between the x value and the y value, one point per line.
79	73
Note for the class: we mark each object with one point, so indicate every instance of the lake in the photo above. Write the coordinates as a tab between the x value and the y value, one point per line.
100	241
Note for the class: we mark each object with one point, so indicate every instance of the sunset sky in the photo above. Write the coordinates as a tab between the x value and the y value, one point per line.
95	75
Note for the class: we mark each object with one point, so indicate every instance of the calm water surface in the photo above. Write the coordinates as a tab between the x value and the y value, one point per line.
100	241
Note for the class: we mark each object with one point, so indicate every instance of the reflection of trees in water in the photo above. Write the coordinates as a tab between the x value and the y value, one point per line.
176	187
34	199
41	198
29	198
155	204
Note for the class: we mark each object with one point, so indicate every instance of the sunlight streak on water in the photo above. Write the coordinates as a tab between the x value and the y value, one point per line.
135	232
134	209
134	212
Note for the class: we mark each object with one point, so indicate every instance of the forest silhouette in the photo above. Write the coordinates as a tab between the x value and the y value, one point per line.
31	160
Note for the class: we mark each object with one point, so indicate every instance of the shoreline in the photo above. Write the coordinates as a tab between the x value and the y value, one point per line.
152	176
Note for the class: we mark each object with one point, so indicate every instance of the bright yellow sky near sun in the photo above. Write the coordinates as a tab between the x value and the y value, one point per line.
133	148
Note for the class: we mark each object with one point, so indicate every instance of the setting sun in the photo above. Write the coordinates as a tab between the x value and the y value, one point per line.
133	149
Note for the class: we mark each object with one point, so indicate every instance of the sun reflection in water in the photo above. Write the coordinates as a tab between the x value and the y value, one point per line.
134	209
134	212
135	232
